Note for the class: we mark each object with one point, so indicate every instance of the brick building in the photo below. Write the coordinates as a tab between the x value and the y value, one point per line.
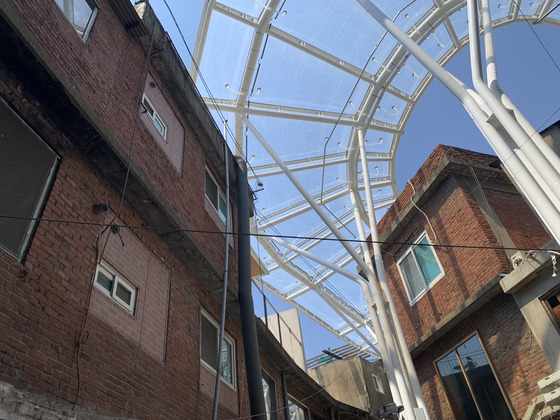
472	347
112	177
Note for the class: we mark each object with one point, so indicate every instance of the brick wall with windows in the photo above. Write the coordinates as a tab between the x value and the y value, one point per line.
514	354
144	364
467	298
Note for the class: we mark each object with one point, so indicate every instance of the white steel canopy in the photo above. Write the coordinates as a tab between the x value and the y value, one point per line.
298	81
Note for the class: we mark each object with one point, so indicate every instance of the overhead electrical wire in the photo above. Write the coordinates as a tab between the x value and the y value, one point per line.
211	232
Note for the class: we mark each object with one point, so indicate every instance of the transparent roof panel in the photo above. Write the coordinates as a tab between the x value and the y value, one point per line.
308	103
298	79
224	58
338	28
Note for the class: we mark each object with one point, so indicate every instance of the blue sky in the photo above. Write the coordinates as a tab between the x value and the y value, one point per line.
527	74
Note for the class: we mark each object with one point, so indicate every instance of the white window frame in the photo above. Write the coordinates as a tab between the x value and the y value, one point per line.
158	122
377	383
219	199
409	251
230	341
67	7
118	280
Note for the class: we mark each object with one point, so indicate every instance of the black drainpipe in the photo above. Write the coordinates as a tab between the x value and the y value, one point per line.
248	325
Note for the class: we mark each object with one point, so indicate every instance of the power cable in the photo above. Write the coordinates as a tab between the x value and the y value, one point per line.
171	230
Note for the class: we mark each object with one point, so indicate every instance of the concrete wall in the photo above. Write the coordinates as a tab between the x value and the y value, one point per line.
350	380
285	326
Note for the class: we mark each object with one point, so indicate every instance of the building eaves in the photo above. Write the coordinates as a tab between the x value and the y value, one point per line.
443	161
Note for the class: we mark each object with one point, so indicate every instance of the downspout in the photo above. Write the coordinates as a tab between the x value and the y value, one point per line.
224	294
248	325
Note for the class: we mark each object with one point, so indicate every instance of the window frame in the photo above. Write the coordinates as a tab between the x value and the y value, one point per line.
297	403
409	251
40	199
71	19
105	268
377	383
155	117
454	349
220	196
230	341
552	312
272	410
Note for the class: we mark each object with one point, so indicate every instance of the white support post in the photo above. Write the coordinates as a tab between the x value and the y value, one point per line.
369	273
540	202
401	340
526	142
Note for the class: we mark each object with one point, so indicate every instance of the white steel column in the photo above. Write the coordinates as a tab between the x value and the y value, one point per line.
540	202
369	273
401	340
526	142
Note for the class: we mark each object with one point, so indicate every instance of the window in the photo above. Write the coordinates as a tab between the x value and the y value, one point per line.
80	13
209	336
269	390
27	169
297	410
551	302
156	119
470	384
116	287
419	267
377	383
215	196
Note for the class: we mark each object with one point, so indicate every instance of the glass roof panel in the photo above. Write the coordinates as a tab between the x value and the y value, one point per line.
301	139
332	26
295	78
410	76
412	13
459	22
498	10
250	7
390	109
225	57
437	43
529	8
312	300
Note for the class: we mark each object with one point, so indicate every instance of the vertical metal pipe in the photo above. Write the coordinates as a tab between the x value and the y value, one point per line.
401	340
224	294
525	142
540	202
248	325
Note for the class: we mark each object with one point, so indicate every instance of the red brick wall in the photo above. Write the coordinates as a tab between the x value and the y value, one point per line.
515	356
107	71
44	299
456	219
518	219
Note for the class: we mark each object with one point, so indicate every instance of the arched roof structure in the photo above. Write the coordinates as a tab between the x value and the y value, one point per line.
296	80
